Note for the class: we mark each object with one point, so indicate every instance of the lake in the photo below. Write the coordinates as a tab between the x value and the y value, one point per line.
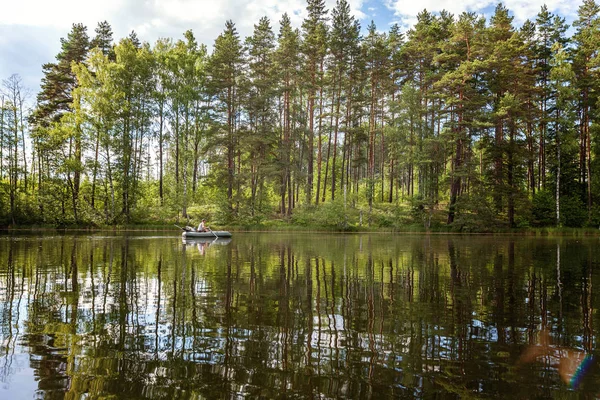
147	316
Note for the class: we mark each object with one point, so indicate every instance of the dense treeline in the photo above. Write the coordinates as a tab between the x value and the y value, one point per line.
461	121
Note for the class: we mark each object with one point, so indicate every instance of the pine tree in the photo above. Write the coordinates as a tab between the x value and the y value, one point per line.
287	62
56	99
377	69
224	73
585	61
531	111
550	29
314	49
459	91
344	38
262	136
498	69
104	40
562	129
511	81
424	42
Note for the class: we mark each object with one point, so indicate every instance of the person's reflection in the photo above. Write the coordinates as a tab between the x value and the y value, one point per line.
202	247
574	366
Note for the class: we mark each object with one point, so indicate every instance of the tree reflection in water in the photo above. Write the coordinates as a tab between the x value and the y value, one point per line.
333	316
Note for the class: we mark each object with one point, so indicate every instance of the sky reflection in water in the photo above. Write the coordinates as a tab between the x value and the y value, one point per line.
288	315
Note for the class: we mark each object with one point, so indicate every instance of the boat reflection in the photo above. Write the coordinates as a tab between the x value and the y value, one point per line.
204	243
211	241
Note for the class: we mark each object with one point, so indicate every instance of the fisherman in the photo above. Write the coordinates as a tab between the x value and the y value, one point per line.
202	227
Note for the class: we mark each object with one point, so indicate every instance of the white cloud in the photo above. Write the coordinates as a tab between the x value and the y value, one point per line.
30	30
528	10
57	13
38	25
152	19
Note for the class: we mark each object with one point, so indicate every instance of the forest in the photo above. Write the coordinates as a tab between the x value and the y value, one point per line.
458	123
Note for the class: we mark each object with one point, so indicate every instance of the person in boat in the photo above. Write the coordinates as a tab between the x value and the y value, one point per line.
202	227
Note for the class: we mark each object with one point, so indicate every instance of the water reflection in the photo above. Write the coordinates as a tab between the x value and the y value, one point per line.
203	244
292	316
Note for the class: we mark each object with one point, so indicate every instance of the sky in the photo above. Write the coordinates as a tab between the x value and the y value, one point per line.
30	30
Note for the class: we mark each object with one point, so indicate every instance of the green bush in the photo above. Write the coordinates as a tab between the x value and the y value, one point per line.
383	218
573	212
475	214
331	215
422	211
595	221
205	211
544	209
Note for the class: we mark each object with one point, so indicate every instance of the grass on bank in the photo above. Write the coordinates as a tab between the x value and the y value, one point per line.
332	217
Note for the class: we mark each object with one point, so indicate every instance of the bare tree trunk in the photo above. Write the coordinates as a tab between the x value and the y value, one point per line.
335	139
185	163
1	137
160	151
320	145
589	174
498	172
311	134
21	100
558	175
95	169
510	176
328	152
530	163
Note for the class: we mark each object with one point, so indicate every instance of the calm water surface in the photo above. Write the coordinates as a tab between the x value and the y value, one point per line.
295	316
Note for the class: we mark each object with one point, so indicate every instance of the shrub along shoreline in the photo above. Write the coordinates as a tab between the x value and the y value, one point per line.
291	228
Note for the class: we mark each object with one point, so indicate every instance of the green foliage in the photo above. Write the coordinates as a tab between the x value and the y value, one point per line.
422	211
4	204
149	208
595	217
475	213
331	215
395	216
544	209
573	212
337	217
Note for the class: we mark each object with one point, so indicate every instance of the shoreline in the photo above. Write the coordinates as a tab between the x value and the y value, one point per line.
311	230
